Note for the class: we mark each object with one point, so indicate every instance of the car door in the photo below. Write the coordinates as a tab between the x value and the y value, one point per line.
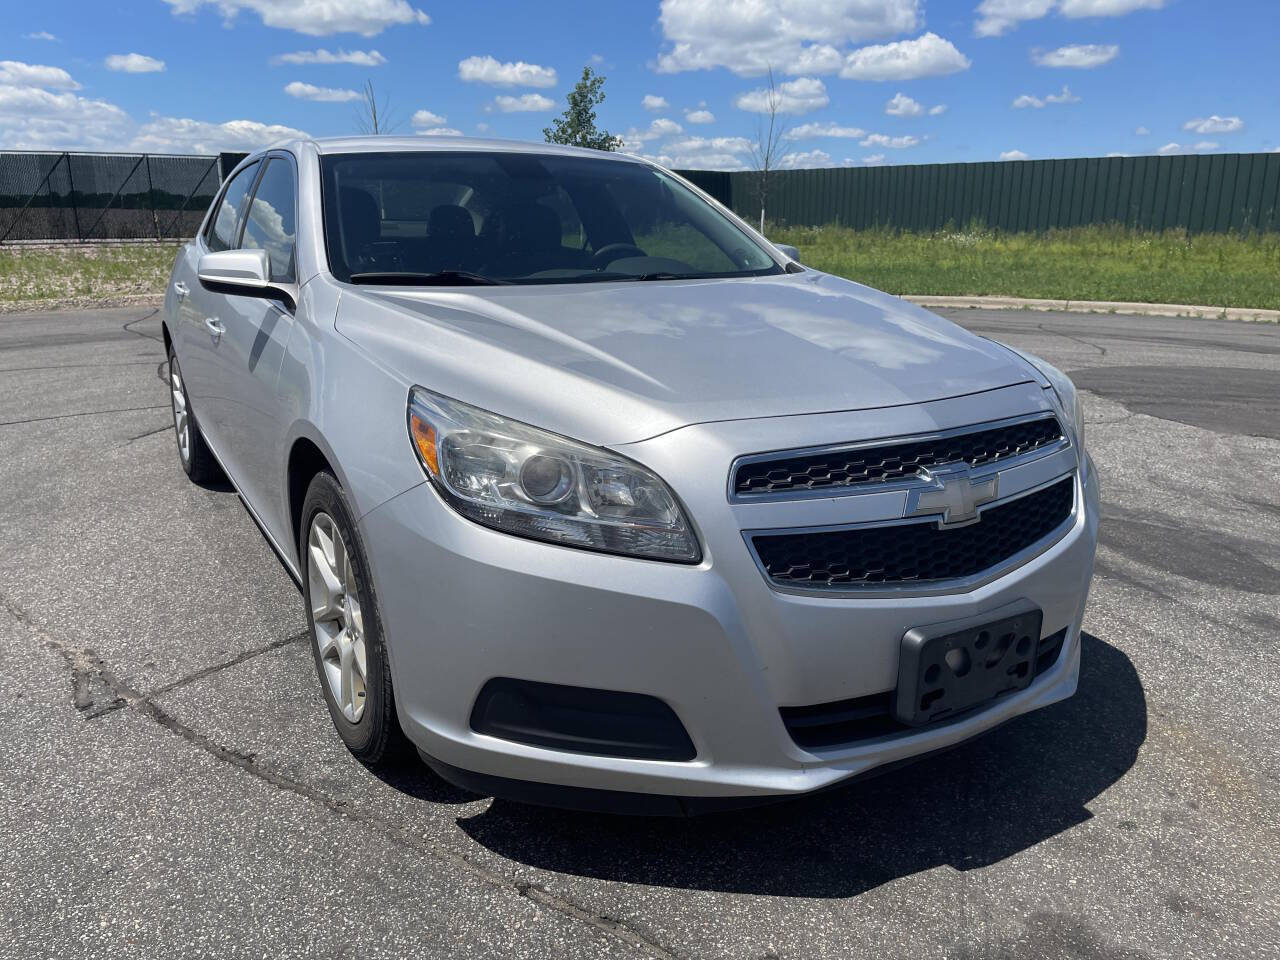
200	340
256	333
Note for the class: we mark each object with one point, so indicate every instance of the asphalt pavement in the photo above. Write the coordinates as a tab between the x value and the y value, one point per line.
171	786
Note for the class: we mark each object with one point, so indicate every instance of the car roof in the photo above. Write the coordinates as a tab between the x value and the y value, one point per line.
438	144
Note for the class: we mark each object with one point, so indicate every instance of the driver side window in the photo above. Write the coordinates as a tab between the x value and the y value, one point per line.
225	224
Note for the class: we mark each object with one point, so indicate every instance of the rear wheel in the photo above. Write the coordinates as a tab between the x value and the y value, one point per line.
193	453
346	631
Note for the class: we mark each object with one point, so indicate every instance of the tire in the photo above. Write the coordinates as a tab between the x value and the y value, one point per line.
363	709
193	453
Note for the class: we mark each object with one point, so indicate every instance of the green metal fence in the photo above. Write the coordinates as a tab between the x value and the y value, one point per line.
1206	193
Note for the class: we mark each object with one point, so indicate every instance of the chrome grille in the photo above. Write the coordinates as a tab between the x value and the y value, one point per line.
881	463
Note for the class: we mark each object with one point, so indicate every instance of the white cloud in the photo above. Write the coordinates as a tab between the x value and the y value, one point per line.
800	95
1013	155
32	118
895	143
875	160
440	132
654	102
703	153
1082	56
360	58
997	16
178	135
1107	8
805	160
1169	148
824	130
700	116
1214	124
1206	145
133	63
1027	100
525	103
1141	132
927	56
1118	154
308	91
791	36
903	106
517	74
316	18
17	73
425	118
635	139
39	35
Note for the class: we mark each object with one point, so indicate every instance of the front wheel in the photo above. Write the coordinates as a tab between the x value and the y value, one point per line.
346	631
193	453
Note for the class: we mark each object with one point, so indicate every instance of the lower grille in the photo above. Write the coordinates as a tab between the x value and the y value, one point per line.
866	718
915	553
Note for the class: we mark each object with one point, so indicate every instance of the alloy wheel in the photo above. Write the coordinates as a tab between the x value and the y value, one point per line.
181	415
338	624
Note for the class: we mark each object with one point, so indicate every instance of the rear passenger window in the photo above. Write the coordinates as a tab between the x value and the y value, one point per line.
222	231
270	223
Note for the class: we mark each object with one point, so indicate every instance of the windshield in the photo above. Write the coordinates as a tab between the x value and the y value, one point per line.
502	217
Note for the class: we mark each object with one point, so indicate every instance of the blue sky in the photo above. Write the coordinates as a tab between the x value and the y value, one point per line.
862	81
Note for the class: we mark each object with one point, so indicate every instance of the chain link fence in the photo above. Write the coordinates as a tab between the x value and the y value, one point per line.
106	196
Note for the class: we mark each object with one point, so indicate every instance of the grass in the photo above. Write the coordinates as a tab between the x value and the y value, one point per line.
83	272
1084	263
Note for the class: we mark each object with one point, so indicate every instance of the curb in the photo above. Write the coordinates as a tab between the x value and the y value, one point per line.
1247	314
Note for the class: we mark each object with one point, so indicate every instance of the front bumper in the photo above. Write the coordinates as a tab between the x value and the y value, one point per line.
462	604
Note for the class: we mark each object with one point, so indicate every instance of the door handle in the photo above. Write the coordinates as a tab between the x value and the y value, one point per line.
214	326
181	290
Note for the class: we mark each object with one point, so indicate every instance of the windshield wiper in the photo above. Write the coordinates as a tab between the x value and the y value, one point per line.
441	278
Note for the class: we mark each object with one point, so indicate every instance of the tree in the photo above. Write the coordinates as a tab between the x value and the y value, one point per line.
576	127
768	144
373	117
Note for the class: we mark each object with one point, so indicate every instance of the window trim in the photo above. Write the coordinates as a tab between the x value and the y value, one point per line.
266	159
211	217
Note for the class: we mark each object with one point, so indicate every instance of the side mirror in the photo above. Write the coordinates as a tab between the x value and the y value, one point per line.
786	250
246	269
244	272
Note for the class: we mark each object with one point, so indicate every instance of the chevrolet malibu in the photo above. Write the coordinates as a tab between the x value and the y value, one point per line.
597	498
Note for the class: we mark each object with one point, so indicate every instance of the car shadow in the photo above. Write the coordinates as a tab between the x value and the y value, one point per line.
970	807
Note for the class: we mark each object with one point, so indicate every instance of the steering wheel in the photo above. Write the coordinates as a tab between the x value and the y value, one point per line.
613	251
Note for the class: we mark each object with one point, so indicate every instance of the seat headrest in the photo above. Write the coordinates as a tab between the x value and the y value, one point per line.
451	222
528	228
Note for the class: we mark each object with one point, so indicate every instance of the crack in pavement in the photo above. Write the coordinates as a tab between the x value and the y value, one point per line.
86	667
82	413
149	433
1044	327
138	333
196	677
75	366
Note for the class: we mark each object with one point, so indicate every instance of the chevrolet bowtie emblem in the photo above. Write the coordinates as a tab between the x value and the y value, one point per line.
953	492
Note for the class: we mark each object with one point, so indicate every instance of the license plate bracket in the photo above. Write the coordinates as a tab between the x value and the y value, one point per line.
947	668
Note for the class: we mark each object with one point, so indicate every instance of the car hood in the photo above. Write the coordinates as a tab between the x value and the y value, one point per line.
613	363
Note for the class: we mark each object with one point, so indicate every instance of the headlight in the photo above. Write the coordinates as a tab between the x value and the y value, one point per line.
532	483
1069	402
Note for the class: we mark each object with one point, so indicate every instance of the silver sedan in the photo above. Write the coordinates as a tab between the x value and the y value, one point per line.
597	498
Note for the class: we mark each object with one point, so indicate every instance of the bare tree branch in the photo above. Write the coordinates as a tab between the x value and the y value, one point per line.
373	117
766	150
